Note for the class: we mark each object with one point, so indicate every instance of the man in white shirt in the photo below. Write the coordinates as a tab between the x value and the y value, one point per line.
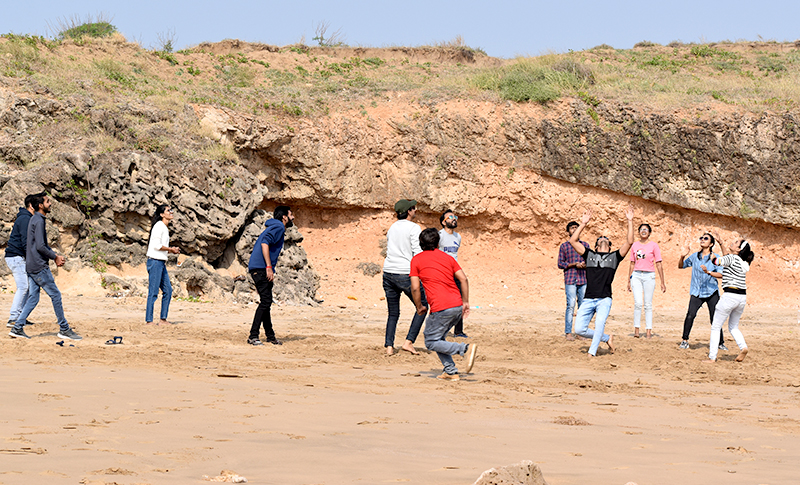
449	242
402	244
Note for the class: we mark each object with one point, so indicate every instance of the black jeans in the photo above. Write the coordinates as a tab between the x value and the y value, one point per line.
395	285
459	327
695	302
262	316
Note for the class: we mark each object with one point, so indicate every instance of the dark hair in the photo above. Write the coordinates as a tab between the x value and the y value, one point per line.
713	241
572	223
649	229
404	214
598	240
29	198
280	211
746	253
157	215
37	200
441	217
429	239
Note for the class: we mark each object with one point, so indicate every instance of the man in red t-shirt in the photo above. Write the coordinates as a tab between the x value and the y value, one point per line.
438	272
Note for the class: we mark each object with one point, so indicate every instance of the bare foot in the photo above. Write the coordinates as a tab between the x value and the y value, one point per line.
164	322
649	334
635	333
150	323
409	347
709	361
570	337
611	347
742	355
389	350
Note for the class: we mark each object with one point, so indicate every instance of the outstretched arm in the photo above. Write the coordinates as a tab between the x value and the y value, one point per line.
575	239
623	251
462	279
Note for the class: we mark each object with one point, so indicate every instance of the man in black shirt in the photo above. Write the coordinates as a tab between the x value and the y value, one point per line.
601	266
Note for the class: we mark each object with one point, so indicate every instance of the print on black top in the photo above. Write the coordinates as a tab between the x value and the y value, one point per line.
600	271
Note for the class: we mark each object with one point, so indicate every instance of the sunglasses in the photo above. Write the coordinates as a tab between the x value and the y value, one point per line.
452	218
705	238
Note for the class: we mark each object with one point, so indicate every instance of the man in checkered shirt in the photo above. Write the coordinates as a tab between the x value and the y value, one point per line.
574	268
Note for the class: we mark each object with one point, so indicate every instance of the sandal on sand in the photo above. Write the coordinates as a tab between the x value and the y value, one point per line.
114	341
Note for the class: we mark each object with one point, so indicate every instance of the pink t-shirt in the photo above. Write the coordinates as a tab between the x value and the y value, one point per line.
645	256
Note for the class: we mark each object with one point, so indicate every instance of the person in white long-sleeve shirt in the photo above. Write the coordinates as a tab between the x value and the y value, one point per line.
157	251
402	245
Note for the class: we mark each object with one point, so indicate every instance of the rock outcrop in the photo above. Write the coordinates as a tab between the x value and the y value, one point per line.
523	473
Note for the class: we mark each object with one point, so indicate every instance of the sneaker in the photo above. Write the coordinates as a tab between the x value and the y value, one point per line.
722	347
254	341
471	352
10	324
461	335
448	377
274	341
684	345
17	333
69	334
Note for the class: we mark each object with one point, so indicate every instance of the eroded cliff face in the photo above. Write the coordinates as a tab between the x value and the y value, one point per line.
737	164
484	160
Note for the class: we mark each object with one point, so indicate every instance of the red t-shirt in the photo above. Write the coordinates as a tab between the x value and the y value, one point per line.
437	270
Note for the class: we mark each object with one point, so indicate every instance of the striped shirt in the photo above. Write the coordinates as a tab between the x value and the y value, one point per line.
734	271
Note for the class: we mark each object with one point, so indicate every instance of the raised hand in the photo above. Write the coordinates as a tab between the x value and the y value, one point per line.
629	212
587	216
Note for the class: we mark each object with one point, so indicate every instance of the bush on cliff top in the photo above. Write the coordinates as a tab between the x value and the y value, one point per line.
75	28
533	81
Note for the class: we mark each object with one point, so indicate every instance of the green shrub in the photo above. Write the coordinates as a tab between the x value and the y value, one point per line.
645	43
527	81
770	64
75	28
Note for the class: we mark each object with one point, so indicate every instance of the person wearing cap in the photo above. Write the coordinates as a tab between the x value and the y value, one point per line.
601	266
402	244
574	268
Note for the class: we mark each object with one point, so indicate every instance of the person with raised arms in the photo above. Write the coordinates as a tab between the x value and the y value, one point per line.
703	287
735	267
601	266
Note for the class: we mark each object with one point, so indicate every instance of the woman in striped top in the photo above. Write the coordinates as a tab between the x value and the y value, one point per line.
731	304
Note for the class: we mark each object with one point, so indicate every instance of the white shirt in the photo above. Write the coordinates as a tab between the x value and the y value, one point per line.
402	244
159	237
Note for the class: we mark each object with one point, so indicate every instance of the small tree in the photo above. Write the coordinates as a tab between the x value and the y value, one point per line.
336	39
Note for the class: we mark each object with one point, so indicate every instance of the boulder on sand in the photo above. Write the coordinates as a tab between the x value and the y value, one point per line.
525	472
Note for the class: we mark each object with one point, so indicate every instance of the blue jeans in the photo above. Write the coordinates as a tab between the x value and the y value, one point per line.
573	292
590	306
159	279
395	285
439	323
17	266
37	281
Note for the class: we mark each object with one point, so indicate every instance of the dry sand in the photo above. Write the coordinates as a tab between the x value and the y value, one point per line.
328	407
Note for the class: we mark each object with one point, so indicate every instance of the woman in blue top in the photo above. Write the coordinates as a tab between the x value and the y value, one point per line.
703	288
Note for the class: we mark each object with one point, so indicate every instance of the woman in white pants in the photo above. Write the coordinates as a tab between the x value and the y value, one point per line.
731	304
645	260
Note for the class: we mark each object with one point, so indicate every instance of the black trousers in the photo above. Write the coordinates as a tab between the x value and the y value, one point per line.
695	302
459	327
262	316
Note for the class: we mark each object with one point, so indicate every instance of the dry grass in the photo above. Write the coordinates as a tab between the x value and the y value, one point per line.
300	82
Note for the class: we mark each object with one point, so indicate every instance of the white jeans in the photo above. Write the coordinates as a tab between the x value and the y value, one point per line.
730	307
643	285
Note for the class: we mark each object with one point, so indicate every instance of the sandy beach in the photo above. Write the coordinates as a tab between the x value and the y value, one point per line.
174	403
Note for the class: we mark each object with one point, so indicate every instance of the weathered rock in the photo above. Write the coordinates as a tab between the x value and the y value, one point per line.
369	269
201	280
523	473
120	287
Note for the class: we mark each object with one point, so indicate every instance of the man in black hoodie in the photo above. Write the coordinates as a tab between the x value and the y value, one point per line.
15	258
37	257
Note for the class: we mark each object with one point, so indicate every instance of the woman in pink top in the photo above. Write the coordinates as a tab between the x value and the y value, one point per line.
645	260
